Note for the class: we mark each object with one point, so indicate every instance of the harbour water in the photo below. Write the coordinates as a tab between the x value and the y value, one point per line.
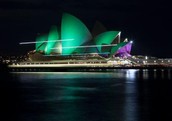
116	95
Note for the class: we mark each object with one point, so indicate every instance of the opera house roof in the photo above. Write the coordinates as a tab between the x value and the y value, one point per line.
75	38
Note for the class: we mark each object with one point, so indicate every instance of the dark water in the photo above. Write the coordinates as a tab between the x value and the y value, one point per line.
120	95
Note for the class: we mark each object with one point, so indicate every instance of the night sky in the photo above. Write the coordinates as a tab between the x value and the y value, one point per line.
148	24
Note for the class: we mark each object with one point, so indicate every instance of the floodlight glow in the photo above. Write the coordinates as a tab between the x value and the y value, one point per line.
25	43
87	46
131	42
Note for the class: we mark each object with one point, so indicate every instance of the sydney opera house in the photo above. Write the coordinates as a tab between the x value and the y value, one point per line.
74	40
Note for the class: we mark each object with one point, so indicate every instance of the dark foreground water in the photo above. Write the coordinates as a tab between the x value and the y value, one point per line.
120	95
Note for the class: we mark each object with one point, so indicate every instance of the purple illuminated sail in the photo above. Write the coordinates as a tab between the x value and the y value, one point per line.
124	51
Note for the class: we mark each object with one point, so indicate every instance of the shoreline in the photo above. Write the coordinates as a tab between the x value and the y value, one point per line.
79	67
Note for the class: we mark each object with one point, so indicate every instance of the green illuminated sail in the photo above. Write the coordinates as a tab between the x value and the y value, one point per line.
75	38
41	43
114	49
73	28
53	42
106	38
79	50
105	48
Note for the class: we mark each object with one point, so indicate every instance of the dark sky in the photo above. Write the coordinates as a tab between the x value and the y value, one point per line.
148	23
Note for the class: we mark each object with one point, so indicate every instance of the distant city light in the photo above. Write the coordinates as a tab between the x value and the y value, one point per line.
25	43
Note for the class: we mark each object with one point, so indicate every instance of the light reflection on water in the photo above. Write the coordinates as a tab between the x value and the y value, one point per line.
129	74
119	95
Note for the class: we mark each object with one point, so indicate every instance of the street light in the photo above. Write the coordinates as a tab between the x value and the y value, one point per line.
146	57
131	42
